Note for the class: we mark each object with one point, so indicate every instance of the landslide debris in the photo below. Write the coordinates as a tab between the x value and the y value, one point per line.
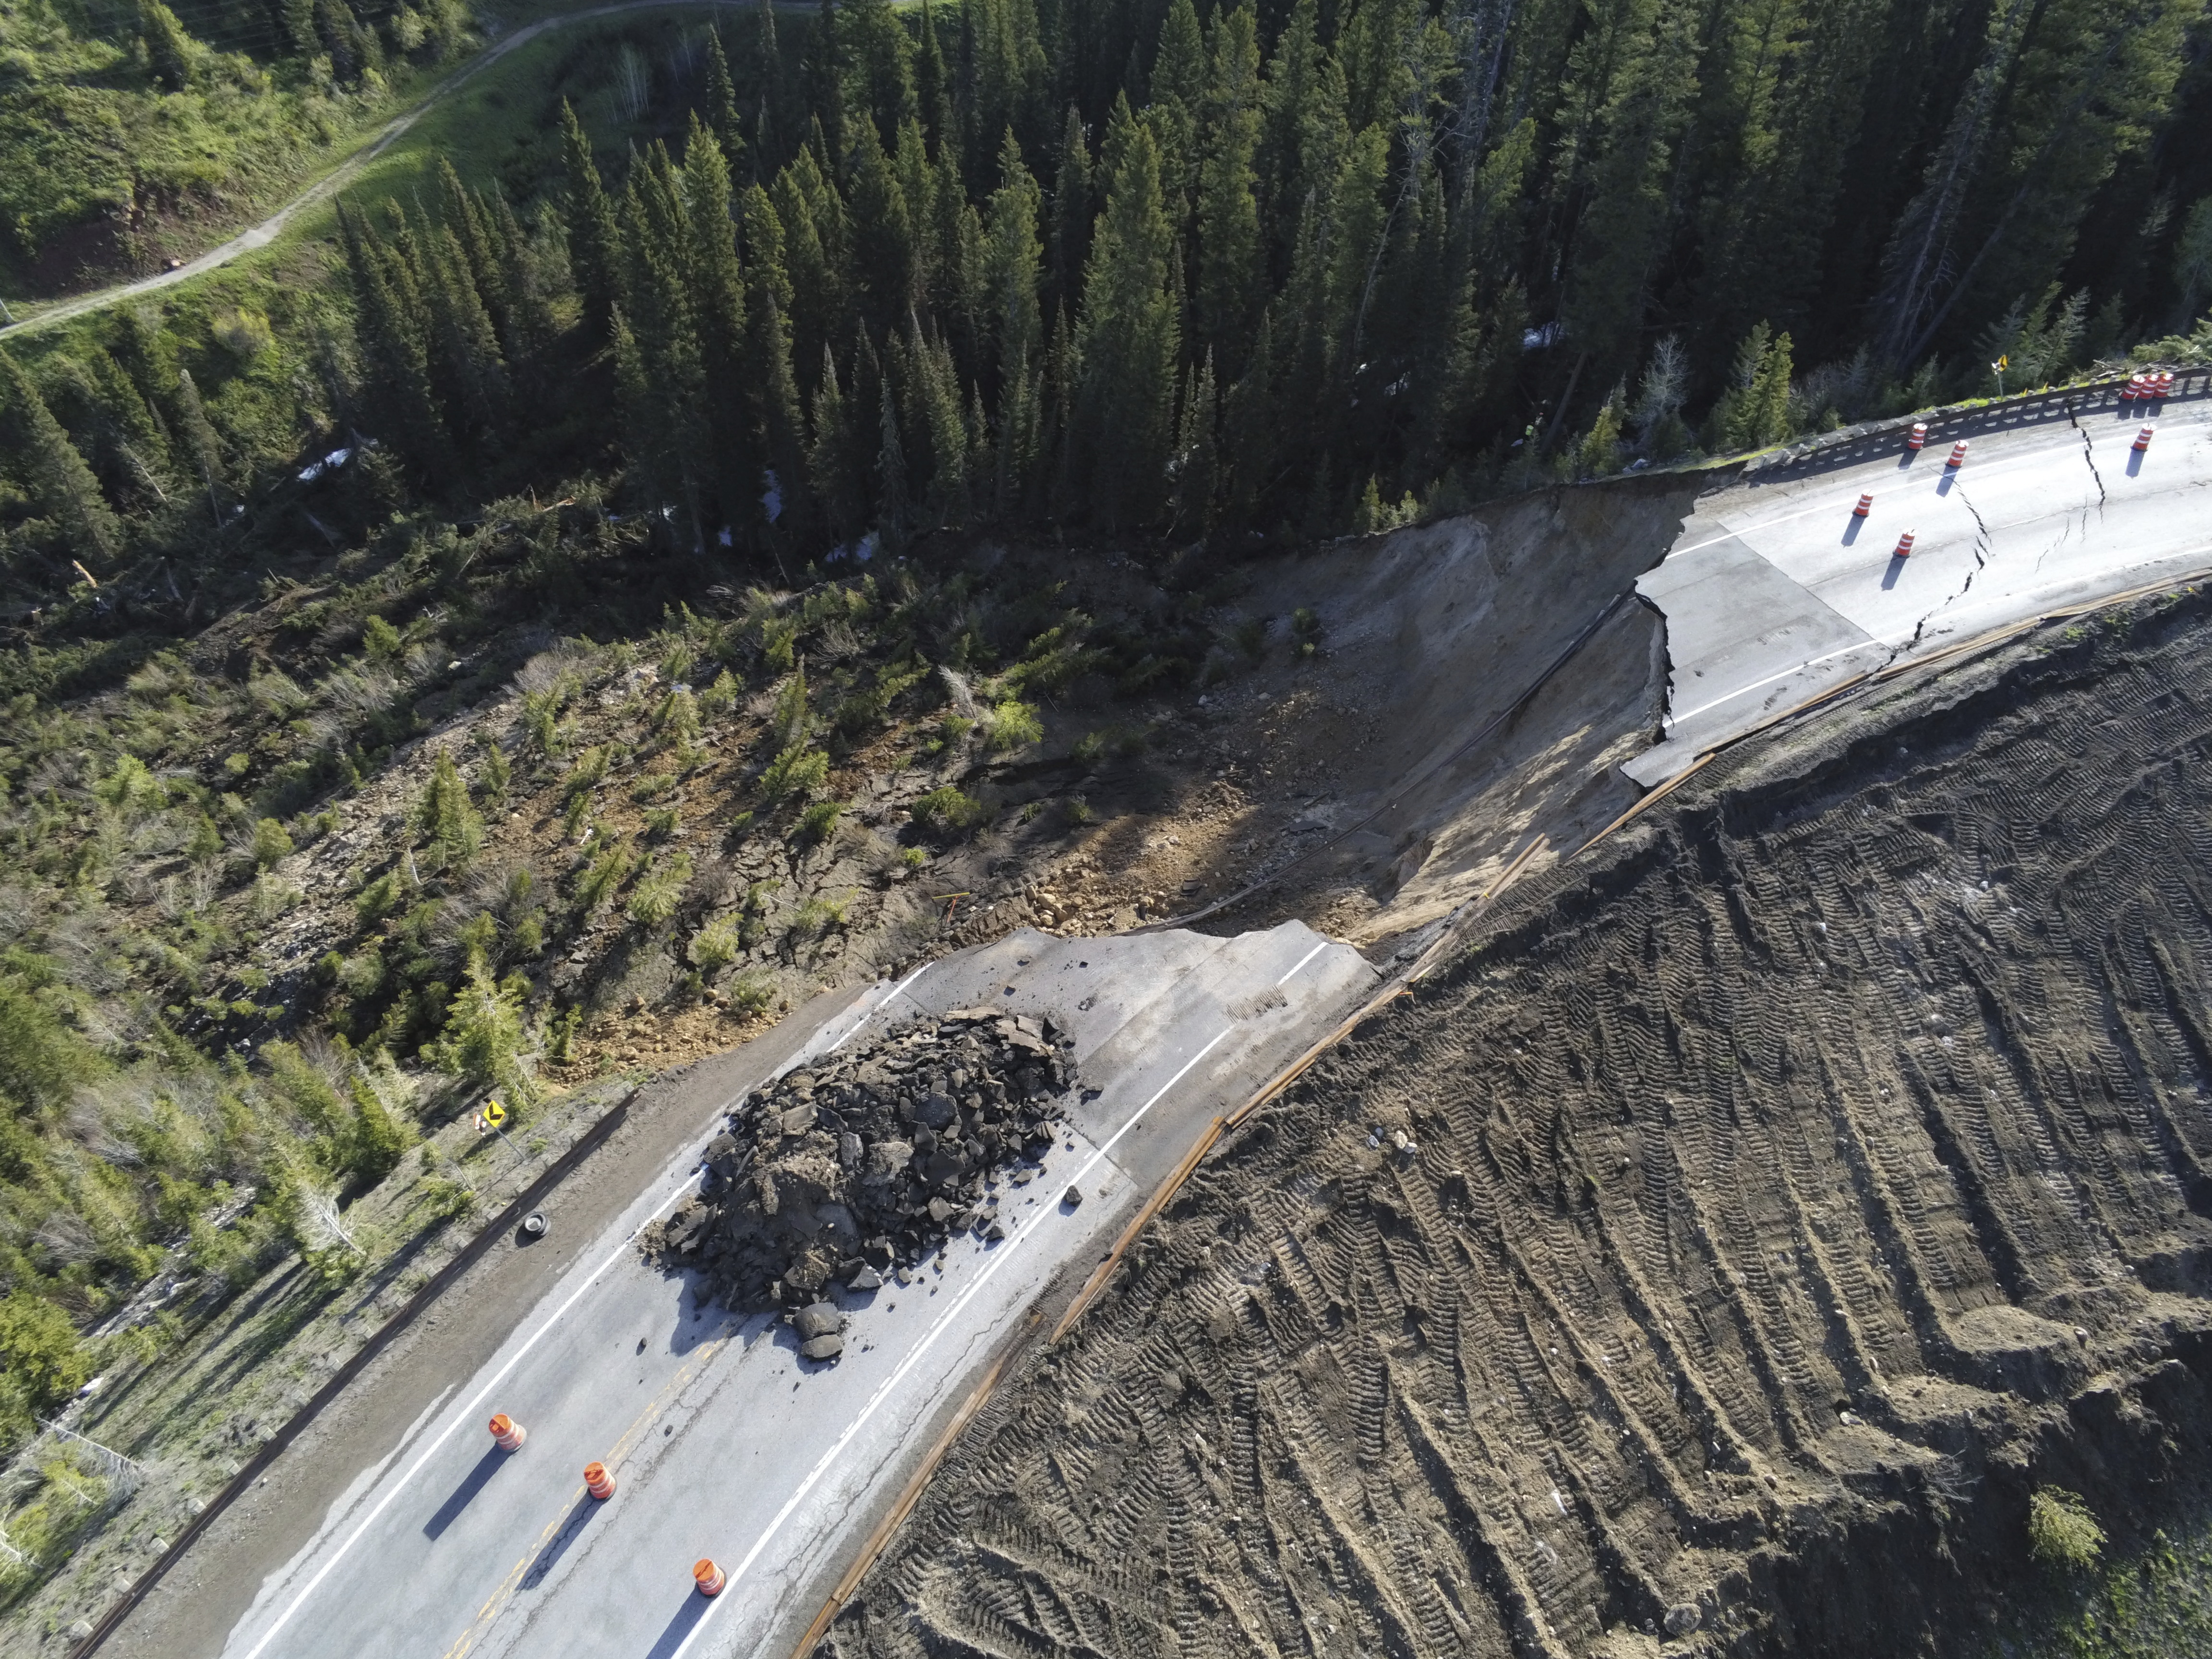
1712	1261
862	1163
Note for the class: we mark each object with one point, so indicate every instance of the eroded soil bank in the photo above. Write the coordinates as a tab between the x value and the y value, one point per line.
1728	1245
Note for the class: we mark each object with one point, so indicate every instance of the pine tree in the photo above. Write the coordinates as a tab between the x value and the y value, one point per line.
813	262
718	303
1013	257
668	423
530	318
1178	96
825	83
883	235
722	102
1304	131
1196	458
892	493
463	213
200	441
466	358
1127	341
840	487
1230	273
169	48
593	251
63	484
933	86
1070	212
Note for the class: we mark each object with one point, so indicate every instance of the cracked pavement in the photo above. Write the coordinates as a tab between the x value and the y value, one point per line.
1774	593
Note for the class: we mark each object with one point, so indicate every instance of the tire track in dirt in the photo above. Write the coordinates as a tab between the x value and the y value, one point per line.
1759	1211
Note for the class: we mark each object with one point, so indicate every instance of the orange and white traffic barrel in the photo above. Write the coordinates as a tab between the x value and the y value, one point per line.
507	1434
1958	454
2164	383
1865	506
599	1482
1904	545
1919	436
2132	390
709	1578
2142	439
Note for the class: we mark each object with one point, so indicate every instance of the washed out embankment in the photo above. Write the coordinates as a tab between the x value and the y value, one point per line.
1716	1257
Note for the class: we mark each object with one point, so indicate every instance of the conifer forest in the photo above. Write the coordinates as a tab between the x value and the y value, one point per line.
755	312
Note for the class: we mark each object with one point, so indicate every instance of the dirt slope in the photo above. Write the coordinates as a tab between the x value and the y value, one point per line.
1784	1191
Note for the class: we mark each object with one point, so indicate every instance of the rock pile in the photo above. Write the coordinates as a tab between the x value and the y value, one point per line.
860	1163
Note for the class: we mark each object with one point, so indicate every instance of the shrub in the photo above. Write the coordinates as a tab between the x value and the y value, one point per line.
607	872
790	719
945	811
447	826
588	773
818	915
715	947
798	771
2061	1530
483	1041
1305	632
541	721
1012	723
271	844
662	822
752	993
492	779
720	697
43	1357
678	718
658	895
818	822
380	641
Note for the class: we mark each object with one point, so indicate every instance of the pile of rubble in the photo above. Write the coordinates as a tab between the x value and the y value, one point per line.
859	1163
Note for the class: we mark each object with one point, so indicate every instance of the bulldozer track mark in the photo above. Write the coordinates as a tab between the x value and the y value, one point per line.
1741	1183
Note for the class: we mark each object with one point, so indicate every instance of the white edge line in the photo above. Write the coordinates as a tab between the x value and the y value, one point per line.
465	1415
1302	960
913	1358
499	1376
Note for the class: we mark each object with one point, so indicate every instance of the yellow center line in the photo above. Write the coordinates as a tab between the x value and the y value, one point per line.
645	1419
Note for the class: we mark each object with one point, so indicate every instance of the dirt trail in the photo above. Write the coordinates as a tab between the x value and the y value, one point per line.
266	231
1712	1261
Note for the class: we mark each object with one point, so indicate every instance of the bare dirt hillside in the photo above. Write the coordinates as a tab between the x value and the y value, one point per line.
1715	1260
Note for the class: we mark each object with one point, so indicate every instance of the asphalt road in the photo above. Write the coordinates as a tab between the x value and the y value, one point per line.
723	1442
1774	592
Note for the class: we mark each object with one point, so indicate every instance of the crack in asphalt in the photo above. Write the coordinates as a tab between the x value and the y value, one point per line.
2088	453
1981	563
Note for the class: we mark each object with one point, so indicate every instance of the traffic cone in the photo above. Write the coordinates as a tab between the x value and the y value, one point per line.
507	1434
1866	502
1958	454
1919	435
2142	439
1903	546
599	1482
708	1576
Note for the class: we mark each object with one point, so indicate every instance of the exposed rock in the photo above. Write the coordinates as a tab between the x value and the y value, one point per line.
867	1160
822	1347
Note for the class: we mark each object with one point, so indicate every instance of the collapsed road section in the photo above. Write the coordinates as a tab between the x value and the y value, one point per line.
1715	1260
717	1441
1778	591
